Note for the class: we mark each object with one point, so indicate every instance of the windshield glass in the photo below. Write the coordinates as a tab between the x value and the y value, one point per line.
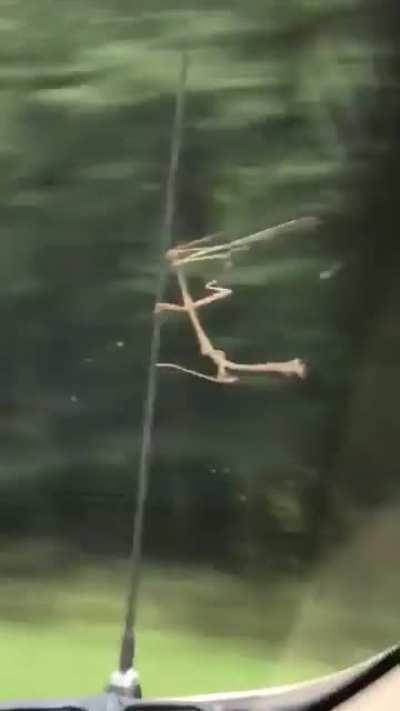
271	522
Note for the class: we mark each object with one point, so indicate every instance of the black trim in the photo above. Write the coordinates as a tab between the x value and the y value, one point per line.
355	686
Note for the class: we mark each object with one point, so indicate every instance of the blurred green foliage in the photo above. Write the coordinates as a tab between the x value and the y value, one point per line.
283	119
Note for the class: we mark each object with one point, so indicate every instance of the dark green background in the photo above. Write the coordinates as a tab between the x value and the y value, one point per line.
292	108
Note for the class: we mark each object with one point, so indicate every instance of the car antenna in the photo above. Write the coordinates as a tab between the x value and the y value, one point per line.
125	680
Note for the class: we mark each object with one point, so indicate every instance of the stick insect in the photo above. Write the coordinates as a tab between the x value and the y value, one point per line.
181	256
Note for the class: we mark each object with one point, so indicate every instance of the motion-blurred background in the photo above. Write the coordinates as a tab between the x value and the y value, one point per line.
271	543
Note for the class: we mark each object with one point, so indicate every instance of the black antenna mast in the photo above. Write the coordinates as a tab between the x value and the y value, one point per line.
125	681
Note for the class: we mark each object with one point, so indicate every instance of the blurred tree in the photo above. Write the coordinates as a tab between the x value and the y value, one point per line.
275	128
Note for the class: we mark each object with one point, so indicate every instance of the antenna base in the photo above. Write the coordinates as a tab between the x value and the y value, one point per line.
125	683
